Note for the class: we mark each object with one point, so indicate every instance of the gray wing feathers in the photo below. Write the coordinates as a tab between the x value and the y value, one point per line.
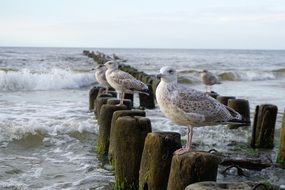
128	81
192	101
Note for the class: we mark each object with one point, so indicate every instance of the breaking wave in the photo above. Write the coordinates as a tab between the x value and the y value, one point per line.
192	76
25	79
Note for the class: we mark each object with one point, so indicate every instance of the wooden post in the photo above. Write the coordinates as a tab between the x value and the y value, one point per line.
209	185
242	107
99	102
147	101
192	167
115	101
106	114
129	142
130	97
156	159
281	154
92	96
116	115
263	126
224	99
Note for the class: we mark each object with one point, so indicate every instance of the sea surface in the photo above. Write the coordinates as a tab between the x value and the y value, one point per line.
48	135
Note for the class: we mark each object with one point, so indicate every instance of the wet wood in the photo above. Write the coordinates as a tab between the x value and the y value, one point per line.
116	115
93	92
281	153
129	143
104	120
224	99
192	167
147	101
115	101
99	102
242	107
264	126
156	159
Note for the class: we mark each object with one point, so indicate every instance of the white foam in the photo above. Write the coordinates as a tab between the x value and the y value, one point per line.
53	79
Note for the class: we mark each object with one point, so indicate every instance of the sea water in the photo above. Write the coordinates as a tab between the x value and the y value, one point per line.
48	136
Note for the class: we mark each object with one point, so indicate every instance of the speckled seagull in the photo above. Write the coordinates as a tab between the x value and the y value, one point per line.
189	107
123	82
208	79
101	77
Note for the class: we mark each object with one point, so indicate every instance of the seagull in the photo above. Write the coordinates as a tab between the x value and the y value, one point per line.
188	107
101	78
208	79
123	82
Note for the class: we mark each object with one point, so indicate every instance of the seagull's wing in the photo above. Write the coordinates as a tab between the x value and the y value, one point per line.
191	101
128	81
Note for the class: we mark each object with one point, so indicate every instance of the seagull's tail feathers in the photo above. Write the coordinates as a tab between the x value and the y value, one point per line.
237	118
144	91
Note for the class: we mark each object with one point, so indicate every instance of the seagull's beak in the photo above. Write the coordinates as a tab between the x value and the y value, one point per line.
159	76
93	69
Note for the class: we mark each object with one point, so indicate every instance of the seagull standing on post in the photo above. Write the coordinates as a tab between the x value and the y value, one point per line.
101	77
123	82
208	79
189	107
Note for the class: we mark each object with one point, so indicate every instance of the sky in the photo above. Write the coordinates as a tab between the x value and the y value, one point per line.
203	24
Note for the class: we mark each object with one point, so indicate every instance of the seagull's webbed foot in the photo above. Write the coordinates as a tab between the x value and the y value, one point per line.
183	150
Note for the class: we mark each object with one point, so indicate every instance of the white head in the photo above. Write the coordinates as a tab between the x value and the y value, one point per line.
111	65
168	74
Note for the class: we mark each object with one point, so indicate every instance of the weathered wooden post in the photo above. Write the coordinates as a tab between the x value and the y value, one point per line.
104	120
281	154
224	99
147	101
192	167
129	142
115	101
92	96
100	101
116	115
156	159
130	97
242	107
263	126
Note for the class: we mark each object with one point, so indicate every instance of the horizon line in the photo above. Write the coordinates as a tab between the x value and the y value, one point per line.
162	48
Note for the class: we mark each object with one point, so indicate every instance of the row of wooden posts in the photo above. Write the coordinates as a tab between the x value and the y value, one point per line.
143	159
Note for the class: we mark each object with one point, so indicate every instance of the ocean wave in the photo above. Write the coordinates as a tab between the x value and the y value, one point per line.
193	76
54	79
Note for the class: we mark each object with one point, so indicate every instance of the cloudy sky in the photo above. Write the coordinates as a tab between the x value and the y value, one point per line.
235	24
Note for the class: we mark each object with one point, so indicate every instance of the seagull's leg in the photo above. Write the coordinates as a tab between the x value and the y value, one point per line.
187	148
121	97
107	90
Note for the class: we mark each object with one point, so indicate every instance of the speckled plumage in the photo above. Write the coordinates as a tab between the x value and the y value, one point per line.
189	107
123	82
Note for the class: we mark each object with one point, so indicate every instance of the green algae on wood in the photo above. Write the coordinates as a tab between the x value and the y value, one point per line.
192	167
130	136
156	159
116	115
264	126
104	121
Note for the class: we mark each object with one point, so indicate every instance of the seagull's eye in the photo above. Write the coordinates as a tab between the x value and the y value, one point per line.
170	71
